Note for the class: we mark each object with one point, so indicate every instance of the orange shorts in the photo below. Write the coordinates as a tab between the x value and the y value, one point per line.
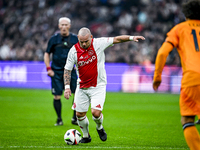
190	101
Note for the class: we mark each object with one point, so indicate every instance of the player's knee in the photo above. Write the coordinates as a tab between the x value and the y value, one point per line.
187	119
80	114
96	113
57	97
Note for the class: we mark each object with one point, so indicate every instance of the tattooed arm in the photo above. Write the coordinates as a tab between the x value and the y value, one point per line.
67	79
67	76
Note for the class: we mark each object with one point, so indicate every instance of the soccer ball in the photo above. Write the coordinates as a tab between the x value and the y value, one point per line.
72	137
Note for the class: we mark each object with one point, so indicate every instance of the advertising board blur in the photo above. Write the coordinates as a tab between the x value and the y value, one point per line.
120	77
24	75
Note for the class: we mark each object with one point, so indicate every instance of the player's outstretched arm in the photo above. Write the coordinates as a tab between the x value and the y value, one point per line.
126	38
67	79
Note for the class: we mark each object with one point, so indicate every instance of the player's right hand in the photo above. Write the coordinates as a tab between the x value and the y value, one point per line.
156	84
50	73
67	93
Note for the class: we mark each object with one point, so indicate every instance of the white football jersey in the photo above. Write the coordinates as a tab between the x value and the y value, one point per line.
90	66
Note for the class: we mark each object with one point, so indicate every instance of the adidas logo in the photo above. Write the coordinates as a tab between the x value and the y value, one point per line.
81	57
98	106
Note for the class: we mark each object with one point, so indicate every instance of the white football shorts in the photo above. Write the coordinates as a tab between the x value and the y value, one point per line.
94	95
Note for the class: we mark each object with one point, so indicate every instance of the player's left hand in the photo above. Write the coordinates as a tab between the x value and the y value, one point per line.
67	93
137	38
156	84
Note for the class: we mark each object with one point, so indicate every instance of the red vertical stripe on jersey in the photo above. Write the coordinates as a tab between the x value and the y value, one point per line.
87	66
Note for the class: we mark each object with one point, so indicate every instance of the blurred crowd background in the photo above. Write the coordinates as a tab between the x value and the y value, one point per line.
27	25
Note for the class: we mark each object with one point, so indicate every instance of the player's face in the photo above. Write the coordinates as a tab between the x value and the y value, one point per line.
85	41
64	27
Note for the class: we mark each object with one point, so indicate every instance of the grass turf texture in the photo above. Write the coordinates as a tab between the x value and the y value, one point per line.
131	120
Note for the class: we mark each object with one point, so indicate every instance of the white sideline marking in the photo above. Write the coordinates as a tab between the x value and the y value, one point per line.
92	147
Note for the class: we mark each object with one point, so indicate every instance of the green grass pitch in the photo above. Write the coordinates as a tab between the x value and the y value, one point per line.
131	120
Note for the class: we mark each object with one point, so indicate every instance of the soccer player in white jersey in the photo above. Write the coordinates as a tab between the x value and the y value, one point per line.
88	56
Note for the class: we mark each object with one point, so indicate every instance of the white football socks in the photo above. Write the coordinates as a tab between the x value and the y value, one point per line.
83	123
99	121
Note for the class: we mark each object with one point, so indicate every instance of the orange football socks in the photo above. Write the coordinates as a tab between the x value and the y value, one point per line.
192	137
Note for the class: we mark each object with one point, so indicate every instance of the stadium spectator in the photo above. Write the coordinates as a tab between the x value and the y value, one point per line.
88	56
185	37
59	46
20	24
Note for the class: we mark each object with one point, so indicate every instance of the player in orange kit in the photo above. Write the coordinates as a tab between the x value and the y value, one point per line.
186	38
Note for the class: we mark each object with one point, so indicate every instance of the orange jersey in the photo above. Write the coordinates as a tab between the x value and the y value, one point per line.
186	38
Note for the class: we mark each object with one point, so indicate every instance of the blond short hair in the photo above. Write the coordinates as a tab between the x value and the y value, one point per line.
64	18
